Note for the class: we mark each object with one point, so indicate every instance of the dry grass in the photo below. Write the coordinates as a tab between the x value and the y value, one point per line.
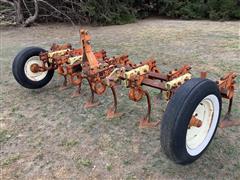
45	134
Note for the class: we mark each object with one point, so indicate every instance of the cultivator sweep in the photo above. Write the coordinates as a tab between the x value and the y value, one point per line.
194	104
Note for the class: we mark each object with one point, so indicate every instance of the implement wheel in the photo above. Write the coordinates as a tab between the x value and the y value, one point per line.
23	73
190	120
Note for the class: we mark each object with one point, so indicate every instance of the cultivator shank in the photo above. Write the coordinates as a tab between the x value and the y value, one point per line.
226	86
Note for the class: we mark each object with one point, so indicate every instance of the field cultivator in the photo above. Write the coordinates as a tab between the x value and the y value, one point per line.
194	104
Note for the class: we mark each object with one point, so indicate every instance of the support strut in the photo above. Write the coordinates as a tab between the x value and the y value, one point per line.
77	92
112	111
91	103
145	122
64	85
226	121
62	72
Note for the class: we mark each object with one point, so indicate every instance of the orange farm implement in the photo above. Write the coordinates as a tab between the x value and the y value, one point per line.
194	104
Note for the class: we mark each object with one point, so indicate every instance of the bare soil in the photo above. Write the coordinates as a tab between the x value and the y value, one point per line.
45	134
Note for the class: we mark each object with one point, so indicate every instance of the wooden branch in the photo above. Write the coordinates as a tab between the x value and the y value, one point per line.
19	16
25	4
8	2
31	19
57	11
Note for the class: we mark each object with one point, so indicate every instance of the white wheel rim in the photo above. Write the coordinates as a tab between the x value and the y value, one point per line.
198	138
38	76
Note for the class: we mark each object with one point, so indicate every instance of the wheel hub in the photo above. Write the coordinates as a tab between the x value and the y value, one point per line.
202	125
195	122
199	124
31	69
34	68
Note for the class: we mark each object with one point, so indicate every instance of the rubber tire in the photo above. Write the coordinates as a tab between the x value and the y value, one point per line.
18	68
177	117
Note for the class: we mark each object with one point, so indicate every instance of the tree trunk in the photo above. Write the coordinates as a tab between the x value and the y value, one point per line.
31	19
19	16
17	7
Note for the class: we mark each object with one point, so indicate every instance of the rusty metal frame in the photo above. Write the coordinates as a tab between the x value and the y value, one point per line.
103	72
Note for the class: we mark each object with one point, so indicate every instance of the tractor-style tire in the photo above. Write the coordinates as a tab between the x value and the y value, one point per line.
22	72
184	143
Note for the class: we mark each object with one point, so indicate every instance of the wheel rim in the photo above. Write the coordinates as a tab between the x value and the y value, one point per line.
207	112
34	76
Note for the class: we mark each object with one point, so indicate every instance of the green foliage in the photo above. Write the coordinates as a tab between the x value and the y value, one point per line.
4	136
202	9
69	143
223	9
84	162
109	12
106	12
10	160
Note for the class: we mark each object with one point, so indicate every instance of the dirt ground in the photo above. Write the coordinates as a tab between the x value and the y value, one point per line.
45	134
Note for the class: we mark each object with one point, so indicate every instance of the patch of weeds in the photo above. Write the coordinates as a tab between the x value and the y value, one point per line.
36	142
45	115
157	163
116	121
14	109
127	162
4	136
146	171
39	157
84	162
88	126
20	116
237	165
109	167
231	151
131	177
110	151
10	160
69	143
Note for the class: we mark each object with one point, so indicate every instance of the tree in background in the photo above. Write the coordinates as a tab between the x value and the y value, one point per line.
18	9
200	9
105	12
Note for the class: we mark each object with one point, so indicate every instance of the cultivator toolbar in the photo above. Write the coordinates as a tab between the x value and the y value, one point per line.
194	103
